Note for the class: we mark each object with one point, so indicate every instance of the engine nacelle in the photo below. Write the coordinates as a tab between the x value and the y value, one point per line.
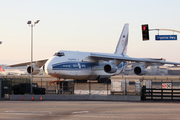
35	70
110	68
140	70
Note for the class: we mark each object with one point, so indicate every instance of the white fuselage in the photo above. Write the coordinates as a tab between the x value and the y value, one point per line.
78	65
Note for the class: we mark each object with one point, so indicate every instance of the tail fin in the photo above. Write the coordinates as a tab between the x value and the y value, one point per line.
1	69
123	41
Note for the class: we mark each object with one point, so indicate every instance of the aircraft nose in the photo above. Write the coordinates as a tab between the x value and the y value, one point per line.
48	67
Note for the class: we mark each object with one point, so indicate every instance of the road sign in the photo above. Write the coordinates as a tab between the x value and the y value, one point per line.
166	85
166	37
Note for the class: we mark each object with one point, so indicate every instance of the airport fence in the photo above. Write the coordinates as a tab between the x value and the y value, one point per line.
92	88
8	82
56	86
126	85
161	89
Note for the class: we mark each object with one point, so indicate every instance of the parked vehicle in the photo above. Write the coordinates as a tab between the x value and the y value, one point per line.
25	88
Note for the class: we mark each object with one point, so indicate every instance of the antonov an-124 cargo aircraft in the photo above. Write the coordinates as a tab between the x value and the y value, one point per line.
90	65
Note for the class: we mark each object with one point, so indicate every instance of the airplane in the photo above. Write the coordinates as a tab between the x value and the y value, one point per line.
2	71
90	65
12	72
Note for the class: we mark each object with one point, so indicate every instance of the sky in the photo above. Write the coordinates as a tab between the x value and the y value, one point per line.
86	25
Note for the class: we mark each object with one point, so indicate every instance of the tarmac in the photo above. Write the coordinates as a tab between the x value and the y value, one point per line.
88	110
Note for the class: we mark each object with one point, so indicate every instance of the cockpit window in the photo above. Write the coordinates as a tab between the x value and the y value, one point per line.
59	54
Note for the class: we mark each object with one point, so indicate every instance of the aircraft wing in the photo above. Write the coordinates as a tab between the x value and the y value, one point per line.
38	63
99	56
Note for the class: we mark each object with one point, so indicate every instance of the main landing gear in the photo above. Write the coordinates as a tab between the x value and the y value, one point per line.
104	80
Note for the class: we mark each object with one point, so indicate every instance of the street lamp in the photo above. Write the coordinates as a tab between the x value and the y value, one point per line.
32	25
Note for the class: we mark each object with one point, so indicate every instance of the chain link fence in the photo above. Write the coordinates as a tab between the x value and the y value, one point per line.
118	86
8	82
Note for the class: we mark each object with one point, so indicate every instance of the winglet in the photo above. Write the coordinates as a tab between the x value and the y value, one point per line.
123	41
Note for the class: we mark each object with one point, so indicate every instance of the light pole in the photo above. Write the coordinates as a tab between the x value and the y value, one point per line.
32	25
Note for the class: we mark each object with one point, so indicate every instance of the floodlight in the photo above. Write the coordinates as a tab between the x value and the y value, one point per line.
36	21
29	22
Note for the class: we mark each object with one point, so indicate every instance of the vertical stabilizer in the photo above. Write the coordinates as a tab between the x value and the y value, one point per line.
123	41
1	69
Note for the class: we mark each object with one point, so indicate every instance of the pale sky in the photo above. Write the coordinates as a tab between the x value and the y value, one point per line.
86	25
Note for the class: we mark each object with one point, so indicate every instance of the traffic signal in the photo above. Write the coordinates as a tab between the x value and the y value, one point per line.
145	32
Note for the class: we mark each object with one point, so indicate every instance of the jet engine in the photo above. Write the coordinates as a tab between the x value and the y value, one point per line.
110	68
35	70
140	70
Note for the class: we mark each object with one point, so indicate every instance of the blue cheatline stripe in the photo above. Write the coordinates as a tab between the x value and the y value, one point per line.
73	65
79	65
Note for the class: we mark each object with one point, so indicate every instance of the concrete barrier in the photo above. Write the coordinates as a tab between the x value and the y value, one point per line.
76	97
